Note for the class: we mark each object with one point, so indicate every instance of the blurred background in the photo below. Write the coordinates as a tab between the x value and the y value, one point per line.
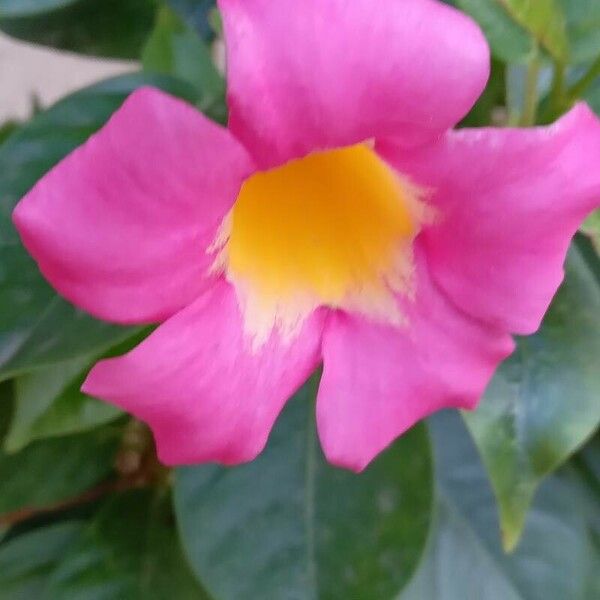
33	76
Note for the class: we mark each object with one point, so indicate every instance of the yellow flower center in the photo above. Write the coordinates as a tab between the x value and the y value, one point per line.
334	228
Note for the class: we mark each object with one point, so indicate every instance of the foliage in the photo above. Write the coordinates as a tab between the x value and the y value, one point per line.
283	522
556	559
501	503
113	28
543	401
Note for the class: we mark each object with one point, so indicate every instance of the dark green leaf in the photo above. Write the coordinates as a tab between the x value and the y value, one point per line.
509	41
544	401
24	296
112	28
588	459
591	228
54	471
198	14
26	561
6	407
36	327
515	28
289	526
59	333
174	48
545	21
583	28
6	129
592	97
556	559
26	8
128	551
49	403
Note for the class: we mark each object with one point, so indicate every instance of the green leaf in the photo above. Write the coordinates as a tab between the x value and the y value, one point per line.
545	21
508	40
129	550
27	560
583	28
591	228
589	458
111	28
24	295
27	8
60	333
6	129
6	407
37	328
557	558
544	401
174	48
514	28
49	403
53	471
290	526
592	97
198	14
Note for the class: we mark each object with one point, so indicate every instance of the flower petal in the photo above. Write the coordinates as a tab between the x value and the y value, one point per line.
121	226
329	73
205	392
509	200
378	381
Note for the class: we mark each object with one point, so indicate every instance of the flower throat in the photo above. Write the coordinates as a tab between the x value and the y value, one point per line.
334	228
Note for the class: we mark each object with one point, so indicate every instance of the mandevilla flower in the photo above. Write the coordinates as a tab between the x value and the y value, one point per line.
338	219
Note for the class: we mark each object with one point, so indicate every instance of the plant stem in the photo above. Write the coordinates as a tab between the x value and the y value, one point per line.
529	113
586	80
137	467
557	93
18	516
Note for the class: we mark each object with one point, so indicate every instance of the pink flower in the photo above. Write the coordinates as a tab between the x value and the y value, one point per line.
337	219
